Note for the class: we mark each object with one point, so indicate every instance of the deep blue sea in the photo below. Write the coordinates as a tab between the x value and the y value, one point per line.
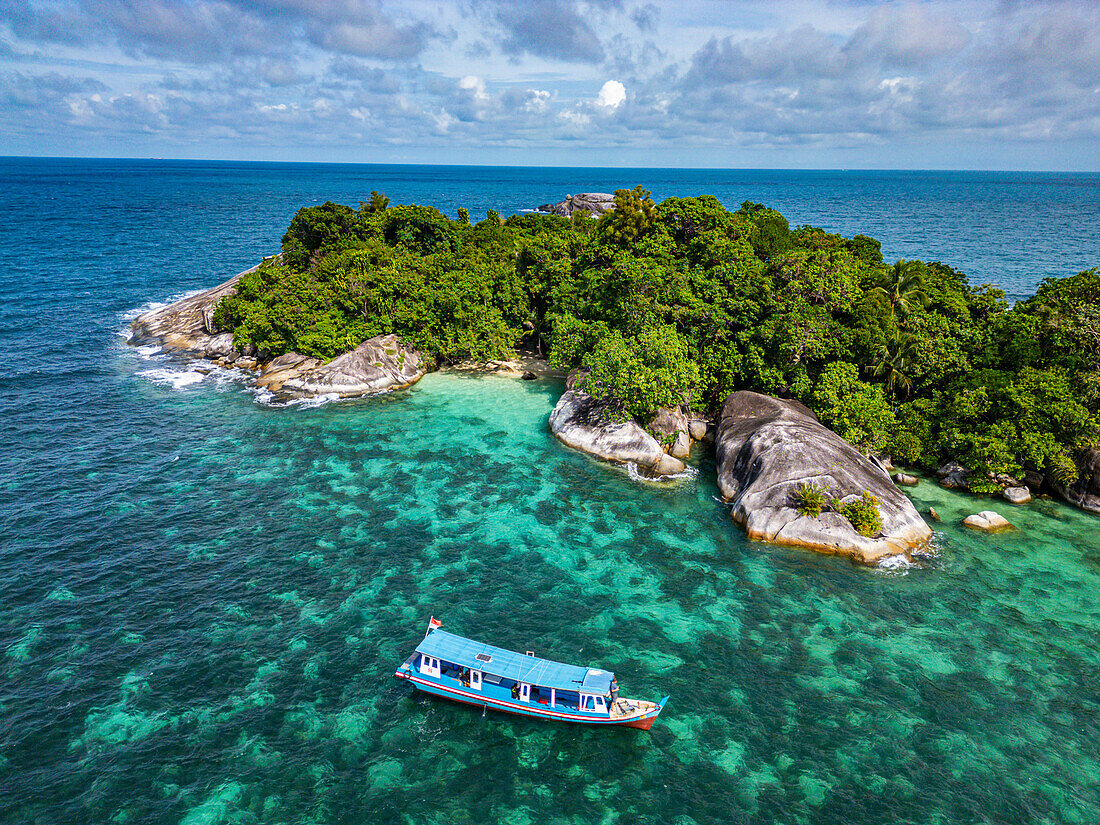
203	596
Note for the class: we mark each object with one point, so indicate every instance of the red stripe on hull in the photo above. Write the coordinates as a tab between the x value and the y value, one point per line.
642	723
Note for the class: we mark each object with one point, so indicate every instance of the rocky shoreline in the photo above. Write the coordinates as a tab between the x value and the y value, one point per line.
589	425
186	327
767	449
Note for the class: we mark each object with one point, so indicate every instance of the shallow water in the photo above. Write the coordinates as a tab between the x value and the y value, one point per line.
204	598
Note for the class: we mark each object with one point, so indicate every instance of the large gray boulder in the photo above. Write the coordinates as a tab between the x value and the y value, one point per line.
590	203
186	325
582	422
767	448
377	365
278	371
1085	491
672	427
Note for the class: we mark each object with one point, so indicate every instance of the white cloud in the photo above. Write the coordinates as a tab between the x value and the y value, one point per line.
473	83
575	118
232	77
538	100
612	94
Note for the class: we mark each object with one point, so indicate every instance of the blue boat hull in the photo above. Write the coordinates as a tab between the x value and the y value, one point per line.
459	693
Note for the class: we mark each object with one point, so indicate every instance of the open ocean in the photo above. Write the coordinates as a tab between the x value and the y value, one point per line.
203	597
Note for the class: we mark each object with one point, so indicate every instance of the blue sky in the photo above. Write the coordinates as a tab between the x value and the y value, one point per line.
957	84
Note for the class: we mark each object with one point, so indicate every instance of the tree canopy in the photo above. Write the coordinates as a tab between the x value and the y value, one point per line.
685	301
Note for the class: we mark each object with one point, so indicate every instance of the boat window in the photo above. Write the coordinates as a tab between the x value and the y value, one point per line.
491	678
525	693
475	679
600	704
567	699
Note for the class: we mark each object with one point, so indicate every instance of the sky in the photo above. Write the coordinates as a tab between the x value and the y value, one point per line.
948	84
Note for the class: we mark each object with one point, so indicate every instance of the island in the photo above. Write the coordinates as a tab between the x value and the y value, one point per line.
685	323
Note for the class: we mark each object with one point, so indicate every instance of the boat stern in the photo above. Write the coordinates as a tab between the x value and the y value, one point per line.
405	671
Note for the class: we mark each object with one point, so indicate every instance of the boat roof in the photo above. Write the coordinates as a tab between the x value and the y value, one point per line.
512	665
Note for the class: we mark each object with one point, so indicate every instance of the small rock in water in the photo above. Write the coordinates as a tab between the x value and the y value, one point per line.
697	428
529	376
933	514
953	475
906	480
988	522
1017	495
681	447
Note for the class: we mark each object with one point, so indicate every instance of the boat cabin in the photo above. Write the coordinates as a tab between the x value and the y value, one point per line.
481	671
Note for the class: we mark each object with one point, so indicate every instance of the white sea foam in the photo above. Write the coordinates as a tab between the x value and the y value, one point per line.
128	316
896	563
269	399
149	351
177	379
315	401
636	474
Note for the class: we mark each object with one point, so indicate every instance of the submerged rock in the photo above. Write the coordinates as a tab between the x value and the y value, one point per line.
1017	495
906	480
769	448
988	522
377	365
583	423
591	203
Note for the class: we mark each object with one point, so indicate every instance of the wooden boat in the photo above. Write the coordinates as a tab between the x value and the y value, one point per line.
461	669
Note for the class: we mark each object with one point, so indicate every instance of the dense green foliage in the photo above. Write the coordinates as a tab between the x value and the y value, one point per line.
685	301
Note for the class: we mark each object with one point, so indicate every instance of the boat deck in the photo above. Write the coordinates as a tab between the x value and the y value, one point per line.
631	707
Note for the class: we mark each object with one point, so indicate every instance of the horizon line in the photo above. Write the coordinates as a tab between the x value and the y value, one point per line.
159	158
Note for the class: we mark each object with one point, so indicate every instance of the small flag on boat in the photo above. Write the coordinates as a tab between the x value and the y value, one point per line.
433	623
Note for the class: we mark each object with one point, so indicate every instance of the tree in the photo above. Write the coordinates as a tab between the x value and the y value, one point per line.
643	373
377	203
634	212
312	228
904	288
855	411
770	233
896	360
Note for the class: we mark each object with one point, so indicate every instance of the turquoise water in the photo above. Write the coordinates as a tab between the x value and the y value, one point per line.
204	597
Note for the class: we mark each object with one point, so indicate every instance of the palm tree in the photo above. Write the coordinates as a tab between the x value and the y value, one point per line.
904	290
896	359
